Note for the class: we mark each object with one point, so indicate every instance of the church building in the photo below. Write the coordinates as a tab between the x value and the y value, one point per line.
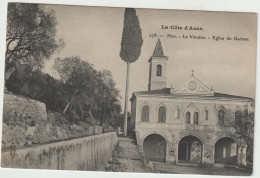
189	124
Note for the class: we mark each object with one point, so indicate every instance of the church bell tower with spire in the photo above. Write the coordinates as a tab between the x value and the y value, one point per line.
157	68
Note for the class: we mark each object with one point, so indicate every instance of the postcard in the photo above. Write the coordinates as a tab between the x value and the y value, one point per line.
136	90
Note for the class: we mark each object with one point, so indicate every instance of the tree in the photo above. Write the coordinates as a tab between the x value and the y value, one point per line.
109	103
76	74
244	129
130	49
30	37
91	95
38	86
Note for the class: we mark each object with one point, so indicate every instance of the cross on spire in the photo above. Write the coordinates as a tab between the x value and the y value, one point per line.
192	73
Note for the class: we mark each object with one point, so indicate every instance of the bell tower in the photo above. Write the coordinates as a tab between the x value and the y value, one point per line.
157	68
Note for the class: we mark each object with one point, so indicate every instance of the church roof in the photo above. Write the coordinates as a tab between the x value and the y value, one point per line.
158	51
193	87
167	92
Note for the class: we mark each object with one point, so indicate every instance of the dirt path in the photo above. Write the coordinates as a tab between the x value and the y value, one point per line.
127	158
163	168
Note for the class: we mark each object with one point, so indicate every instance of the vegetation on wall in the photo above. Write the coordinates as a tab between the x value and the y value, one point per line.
82	93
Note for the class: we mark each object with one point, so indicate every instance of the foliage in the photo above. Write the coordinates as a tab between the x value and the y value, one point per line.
38	86
30	37
130	49
131	38
90	94
82	93
244	129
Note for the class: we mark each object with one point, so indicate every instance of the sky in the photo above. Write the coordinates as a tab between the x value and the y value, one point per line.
229	66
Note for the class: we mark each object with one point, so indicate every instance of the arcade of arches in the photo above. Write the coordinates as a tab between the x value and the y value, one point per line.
190	149
188	122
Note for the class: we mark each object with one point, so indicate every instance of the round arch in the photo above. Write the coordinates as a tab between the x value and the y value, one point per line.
162	104
159	70
166	111
238	108
141	110
143	104
154	132
225	150
227	136
155	147
220	107
190	149
194	135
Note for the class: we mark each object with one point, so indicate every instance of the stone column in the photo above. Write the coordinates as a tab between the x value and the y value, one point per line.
175	152
170	153
208	154
241	155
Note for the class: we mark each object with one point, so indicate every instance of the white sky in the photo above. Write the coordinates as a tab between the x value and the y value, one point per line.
94	34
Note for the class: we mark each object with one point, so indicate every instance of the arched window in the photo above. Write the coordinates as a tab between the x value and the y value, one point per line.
159	70
206	114
177	113
196	118
145	113
187	117
221	116
238	117
162	114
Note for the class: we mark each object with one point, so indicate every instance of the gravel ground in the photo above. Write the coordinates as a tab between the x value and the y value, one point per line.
127	158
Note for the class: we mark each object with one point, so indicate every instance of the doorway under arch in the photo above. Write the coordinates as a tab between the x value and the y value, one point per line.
154	146
226	151
190	150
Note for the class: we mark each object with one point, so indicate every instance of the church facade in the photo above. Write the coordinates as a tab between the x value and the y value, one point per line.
187	124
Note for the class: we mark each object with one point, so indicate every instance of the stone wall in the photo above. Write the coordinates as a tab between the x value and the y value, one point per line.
26	123
24	107
89	153
23	120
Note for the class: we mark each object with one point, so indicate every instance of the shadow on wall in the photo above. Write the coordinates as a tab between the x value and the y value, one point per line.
89	153
226	151
155	148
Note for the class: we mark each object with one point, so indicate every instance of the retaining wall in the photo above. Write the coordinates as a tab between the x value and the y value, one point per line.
21	107
89	153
